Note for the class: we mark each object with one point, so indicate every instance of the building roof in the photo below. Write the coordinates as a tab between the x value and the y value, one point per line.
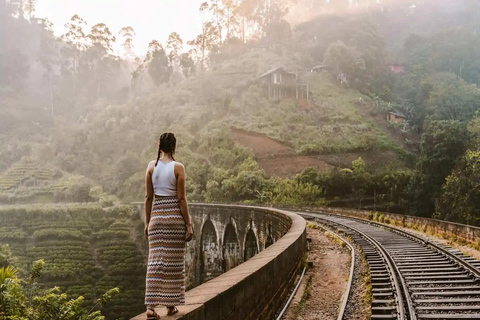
398	114
274	70
319	66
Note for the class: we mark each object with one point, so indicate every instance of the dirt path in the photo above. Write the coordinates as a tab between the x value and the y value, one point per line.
276	158
325	281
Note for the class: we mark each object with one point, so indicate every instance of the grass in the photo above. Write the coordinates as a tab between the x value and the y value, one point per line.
332	237
335	124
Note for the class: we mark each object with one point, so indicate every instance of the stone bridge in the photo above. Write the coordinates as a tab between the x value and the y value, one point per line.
220	285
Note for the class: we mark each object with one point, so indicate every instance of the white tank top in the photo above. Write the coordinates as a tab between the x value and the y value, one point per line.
164	180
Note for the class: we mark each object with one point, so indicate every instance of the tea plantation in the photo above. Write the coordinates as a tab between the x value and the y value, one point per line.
87	250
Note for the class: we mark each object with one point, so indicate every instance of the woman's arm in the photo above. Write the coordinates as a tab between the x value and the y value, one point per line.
182	198
148	196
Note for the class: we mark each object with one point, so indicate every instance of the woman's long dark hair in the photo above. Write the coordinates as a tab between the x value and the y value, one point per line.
167	144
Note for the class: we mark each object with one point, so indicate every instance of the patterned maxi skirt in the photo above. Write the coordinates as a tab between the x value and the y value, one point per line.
165	283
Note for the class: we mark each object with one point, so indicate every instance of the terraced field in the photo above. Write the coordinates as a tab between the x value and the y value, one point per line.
29	181
87	251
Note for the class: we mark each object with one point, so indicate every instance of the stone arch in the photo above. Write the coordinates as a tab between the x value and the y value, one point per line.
231	250
251	245
270	240
210	266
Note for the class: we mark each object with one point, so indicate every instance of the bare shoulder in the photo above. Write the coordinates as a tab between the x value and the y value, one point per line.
150	166
179	166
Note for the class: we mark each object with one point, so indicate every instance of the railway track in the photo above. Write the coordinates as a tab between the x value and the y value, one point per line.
411	277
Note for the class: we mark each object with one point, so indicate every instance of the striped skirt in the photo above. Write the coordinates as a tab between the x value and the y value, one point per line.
165	283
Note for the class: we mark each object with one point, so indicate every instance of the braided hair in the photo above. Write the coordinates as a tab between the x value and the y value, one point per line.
167	144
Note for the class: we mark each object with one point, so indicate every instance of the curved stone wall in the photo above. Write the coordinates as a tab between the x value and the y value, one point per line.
273	241
226	236
440	228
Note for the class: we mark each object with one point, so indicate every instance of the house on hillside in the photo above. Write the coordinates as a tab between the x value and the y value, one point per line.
279	84
319	68
396	117
397	68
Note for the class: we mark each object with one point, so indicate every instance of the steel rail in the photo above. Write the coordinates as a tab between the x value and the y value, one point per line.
399	284
472	269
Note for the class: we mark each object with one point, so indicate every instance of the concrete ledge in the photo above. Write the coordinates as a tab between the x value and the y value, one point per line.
254	289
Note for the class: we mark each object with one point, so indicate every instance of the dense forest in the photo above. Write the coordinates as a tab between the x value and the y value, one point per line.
79	123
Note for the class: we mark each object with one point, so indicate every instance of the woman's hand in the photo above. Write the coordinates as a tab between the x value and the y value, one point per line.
189	233
146	231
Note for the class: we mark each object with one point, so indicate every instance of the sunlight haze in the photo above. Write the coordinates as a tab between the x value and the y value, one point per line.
150	19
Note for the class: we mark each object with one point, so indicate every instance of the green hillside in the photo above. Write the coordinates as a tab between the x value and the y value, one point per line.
29	181
87	251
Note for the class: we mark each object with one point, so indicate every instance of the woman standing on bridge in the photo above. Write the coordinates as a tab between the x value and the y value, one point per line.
167	228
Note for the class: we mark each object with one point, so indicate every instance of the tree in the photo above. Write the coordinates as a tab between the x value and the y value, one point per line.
343	59
101	38
218	13
442	143
187	64
20	299
229	13
276	32
206	42
461	192
174	48
452	98
77	44
157	63
127	33
49	60
98	55
75	35
29	8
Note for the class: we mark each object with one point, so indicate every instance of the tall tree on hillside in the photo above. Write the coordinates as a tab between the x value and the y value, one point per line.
243	14
29	8
186	63
174	48
157	63
442	143
127	33
206	42
98	55
229	14
218	12
75	35
101	38
461	192
77	44
343	59
452	98
48	57
199	41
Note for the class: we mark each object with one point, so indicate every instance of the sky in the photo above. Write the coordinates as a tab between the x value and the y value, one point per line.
151	19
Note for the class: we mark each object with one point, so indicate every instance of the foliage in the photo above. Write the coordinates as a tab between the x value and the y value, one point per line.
110	259
21	299
442	143
343	59
461	191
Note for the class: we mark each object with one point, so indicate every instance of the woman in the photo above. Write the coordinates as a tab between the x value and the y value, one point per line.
167	227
